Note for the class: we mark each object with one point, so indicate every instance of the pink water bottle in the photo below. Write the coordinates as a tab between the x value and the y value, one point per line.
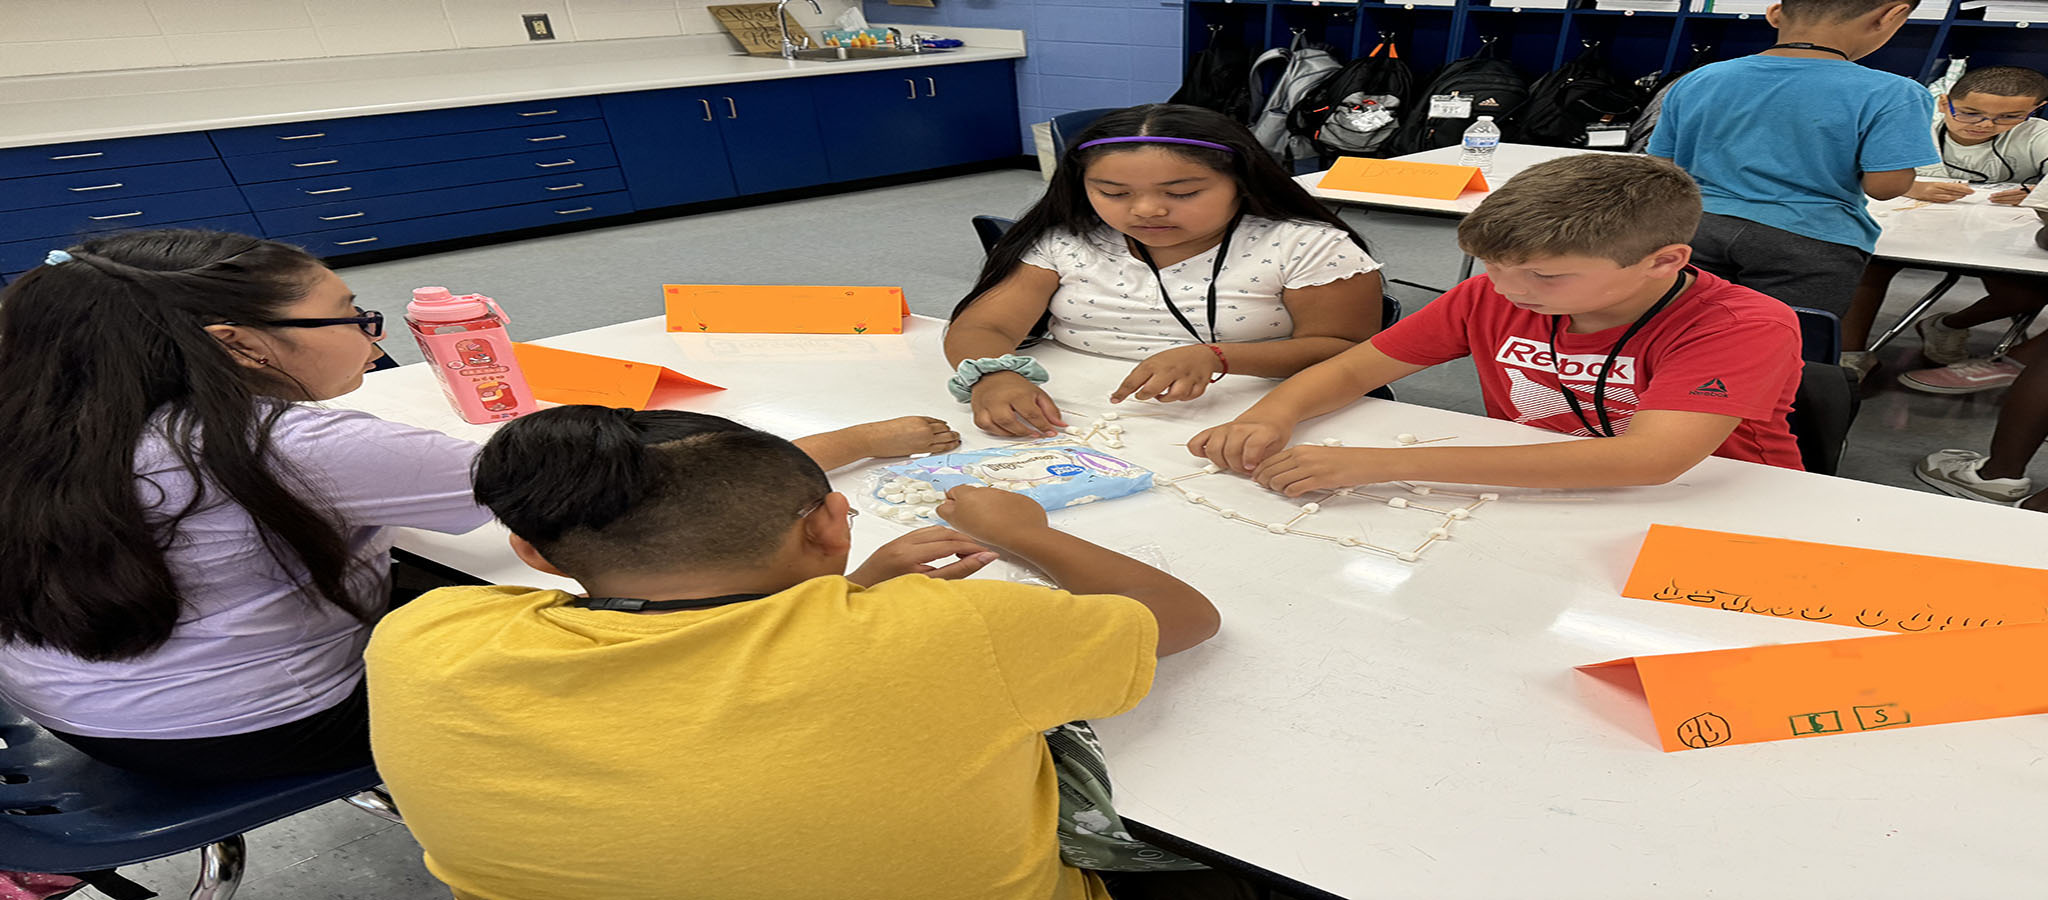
464	338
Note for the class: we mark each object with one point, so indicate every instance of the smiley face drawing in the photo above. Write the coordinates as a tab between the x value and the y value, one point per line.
1704	730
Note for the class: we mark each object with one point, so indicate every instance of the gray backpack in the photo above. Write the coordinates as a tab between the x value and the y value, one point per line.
1305	67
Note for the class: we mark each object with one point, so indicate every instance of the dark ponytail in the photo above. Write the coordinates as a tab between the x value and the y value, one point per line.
599	489
1263	188
92	350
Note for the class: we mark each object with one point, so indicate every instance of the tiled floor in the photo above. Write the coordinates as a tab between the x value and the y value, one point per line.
917	237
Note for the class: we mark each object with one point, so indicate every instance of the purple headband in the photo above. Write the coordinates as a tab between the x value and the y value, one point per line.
1146	139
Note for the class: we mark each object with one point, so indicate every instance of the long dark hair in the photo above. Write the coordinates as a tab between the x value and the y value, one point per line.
1263	188
91	351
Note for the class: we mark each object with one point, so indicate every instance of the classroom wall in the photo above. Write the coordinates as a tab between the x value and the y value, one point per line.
1083	53
40	37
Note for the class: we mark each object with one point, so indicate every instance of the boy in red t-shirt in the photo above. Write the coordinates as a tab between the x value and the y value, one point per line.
1586	261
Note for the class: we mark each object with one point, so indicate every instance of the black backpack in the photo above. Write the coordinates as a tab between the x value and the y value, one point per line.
1356	110
1496	89
1584	92
1217	77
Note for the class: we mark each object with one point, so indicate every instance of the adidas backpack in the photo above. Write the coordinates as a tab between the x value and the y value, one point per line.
1217	76
1584	92
1305	67
1494	86
1354	111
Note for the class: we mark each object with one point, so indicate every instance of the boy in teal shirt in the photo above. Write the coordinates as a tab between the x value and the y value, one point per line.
1787	145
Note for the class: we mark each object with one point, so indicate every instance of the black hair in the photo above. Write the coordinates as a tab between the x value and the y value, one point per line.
600	490
1826	12
94	353
1263	188
2001	81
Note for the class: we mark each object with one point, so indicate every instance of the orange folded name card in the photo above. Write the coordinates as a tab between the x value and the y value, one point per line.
1828	583
785	309
1432	181
565	376
1755	694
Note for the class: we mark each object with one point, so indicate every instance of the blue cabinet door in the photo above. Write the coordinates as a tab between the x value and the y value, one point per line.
976	104
669	146
773	142
879	123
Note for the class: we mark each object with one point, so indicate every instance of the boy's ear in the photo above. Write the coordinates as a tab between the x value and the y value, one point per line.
1774	15
829	528
1891	17
1666	261
530	555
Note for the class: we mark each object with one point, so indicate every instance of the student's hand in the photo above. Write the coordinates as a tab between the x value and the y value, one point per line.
1181	373
1009	404
1242	445
1299	470
992	515
912	553
2009	198
906	435
1939	191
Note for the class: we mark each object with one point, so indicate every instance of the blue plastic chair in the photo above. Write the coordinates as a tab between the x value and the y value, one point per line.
1066	126
1820	335
62	812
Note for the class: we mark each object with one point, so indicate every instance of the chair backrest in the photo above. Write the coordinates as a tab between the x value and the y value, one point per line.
1822	412
1820	335
1066	125
62	811
990	229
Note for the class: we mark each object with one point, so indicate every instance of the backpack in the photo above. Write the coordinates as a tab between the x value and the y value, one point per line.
1305	67
1496	90
1217	76
1584	92
1356	109
1657	85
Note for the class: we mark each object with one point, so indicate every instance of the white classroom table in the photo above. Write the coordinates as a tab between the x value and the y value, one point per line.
1377	729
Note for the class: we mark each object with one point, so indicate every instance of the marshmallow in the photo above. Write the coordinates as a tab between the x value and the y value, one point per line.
1398	502
1194	498
1277	529
893	496
1350	542
1460	513
1115	444
1441	534
1211	469
1109	416
1114	429
1409	557
1311	508
1424	489
1228	513
1074	429
1406	438
1332	442
1489	496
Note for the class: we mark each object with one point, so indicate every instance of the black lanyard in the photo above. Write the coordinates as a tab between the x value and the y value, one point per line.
635	604
1803	45
1941	146
1571	398
1215	275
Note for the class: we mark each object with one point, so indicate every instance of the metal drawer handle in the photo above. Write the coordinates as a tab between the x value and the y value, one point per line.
931	87
353	215
76	156
324	162
367	240
707	108
301	137
913	87
732	109
571	212
567	187
96	187
126	215
552	137
544	112
326	190
566	162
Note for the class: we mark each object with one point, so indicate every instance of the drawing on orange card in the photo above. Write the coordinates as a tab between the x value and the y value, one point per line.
1717	698
1852	586
784	309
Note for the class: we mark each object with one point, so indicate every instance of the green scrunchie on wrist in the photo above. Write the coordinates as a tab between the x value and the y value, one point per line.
973	370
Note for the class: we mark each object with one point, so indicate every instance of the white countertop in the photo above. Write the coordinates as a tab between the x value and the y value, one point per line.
55	109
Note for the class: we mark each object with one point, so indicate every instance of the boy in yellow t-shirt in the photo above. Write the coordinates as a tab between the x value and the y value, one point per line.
728	716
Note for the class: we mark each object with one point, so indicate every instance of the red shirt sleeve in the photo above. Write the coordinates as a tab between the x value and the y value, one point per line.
1736	368
1436	333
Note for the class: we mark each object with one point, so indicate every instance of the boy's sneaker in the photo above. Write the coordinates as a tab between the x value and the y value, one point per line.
1860	363
1954	472
1966	377
1941	343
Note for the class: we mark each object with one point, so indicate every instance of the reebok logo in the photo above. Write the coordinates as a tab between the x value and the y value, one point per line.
1713	388
1531	354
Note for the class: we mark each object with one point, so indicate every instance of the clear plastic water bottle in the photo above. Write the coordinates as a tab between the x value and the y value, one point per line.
1480	141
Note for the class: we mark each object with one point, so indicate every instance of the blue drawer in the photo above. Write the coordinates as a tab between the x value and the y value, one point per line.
397	126
414	151
384	182
56	159
106	185
135	212
464	224
374	210
23	255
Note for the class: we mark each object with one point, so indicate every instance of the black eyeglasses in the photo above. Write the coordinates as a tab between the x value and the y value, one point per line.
370	321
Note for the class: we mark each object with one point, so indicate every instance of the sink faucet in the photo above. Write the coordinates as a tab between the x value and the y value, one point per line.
790	47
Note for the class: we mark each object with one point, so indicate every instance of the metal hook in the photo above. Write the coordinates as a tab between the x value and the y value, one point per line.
1298	32
1215	29
1487	40
1590	43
